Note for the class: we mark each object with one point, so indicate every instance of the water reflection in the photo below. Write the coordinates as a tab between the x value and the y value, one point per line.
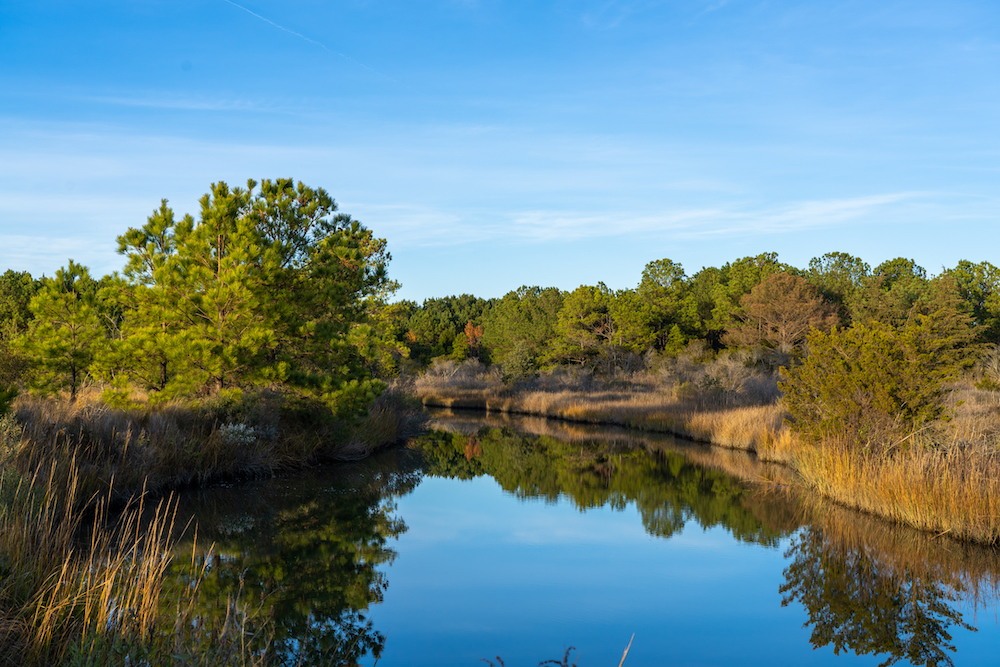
314	552
858	603
309	553
667	488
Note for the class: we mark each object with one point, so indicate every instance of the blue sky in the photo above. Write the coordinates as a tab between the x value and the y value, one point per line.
496	144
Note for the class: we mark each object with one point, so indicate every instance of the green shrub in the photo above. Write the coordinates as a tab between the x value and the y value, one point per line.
871	385
519	365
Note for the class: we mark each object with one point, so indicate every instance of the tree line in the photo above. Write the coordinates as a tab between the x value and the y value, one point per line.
750	302
271	284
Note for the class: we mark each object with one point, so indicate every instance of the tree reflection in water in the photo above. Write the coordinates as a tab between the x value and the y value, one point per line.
856	603
309	560
312	552
668	489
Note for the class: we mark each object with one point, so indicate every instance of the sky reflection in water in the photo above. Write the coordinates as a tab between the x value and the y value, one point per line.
566	556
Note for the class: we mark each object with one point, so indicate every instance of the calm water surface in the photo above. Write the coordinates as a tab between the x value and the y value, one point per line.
520	539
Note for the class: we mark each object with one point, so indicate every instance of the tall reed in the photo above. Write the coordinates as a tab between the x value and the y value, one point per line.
58	589
79	588
947	490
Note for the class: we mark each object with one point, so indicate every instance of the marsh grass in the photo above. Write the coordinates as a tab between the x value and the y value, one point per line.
753	428
77	588
953	491
729	400
945	479
118	452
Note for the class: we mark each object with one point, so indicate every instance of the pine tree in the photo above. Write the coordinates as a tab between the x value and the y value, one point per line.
65	332
264	287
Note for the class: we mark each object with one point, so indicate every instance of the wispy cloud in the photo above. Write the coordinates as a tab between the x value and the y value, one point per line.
420	225
181	103
710	222
311	41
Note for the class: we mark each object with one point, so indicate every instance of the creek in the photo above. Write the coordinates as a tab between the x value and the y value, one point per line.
521	538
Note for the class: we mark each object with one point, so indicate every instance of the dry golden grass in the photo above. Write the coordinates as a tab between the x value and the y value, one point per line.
56	591
975	417
128	450
948	483
81	588
954	491
752	428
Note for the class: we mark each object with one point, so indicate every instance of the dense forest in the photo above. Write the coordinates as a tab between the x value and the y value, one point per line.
149	329
750	302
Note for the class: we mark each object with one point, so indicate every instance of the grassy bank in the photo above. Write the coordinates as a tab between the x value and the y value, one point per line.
945	481
738	412
116	453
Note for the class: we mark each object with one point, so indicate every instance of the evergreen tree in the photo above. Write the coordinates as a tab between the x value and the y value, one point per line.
523	320
979	286
889	294
264	287
838	276
673	308
16	290
65	332
872	385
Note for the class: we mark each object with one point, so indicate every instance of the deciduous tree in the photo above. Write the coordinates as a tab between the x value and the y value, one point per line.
779	313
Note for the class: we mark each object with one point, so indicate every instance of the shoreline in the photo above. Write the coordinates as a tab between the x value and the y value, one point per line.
756	429
936	491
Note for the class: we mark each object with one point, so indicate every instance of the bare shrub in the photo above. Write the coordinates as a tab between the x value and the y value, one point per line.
565	378
731	378
448	374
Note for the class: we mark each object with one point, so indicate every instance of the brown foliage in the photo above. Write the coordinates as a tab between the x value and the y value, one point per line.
779	312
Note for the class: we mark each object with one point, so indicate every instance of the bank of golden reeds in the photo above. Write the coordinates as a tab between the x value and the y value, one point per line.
75	589
953	491
756	428
739	463
948	484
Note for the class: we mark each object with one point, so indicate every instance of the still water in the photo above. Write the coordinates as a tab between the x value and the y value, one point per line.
523	538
